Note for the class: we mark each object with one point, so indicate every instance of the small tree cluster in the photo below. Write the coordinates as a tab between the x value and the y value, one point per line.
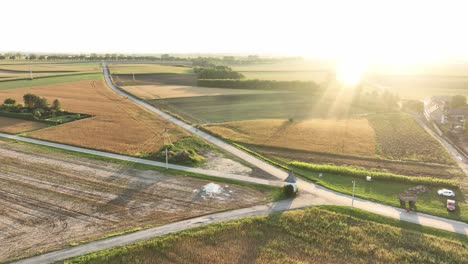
34	104
217	72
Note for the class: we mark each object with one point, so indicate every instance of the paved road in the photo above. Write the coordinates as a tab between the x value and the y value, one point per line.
459	158
310	195
303	185
143	161
274	171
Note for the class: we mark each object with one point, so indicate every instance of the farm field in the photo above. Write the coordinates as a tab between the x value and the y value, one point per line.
9	72
117	125
56	79
344	136
147	68
148	92
399	137
287	71
227	108
14	125
314	235
419	86
51	200
284	155
345	142
155	79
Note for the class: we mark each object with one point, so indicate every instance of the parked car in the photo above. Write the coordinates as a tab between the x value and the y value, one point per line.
451	205
446	192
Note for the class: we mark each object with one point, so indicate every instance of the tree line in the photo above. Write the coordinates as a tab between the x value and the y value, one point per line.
217	72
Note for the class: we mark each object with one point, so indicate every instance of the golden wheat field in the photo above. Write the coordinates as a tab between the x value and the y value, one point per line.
13	125
346	136
117	125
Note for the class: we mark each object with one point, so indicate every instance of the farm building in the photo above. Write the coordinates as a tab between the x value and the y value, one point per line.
437	109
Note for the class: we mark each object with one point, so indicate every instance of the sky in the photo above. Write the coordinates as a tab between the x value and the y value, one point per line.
374	30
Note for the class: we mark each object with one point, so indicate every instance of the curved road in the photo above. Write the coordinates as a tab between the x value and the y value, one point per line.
303	185
311	194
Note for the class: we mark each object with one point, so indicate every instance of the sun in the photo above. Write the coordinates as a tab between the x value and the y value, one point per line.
349	72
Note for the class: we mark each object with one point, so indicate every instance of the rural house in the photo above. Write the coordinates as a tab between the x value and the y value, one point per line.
438	110
435	107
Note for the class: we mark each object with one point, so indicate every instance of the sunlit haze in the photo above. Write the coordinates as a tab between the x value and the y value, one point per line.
389	31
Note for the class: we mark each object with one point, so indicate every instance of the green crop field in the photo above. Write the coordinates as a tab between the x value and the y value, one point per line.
326	234
400	137
225	108
50	80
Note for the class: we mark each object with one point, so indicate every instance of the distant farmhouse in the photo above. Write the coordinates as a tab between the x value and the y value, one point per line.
439	110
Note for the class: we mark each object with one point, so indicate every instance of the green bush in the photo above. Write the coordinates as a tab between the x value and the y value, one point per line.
37	114
356	172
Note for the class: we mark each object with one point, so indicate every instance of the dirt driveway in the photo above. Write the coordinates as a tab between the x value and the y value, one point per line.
51	200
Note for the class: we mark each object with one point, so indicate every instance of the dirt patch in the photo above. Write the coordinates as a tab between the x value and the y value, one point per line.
219	163
13	125
118	125
48	200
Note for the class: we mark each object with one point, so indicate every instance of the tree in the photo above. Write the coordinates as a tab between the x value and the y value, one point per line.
56	105
458	101
9	101
30	100
41	103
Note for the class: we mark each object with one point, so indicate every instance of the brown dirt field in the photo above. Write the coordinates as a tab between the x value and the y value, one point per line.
149	92
49	200
346	136
13	125
118	125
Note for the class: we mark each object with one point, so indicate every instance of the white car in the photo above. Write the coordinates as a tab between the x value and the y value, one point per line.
446	192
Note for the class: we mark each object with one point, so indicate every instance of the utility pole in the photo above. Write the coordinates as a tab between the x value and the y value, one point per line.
167	141
133	76
30	72
352	200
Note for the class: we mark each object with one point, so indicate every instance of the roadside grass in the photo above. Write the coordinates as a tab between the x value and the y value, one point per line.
399	137
327	234
50	80
271	193
186	151
386	192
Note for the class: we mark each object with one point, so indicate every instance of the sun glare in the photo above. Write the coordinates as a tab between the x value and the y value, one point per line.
349	72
